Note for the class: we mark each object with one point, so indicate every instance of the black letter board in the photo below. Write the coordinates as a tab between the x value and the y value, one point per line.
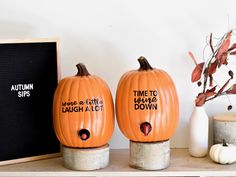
28	79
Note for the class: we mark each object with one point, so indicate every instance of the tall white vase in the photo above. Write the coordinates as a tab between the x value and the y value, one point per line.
198	132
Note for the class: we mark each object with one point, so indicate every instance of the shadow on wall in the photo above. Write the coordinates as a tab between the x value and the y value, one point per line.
11	29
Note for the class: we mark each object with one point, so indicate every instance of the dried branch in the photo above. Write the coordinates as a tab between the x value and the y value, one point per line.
207	69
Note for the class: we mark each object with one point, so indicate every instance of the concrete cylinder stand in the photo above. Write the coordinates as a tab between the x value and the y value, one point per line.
224	127
87	158
149	156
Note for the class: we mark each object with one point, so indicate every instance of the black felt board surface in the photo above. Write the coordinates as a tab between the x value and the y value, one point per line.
28	79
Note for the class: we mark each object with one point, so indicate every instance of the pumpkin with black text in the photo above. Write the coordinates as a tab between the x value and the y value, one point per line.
147	106
83	110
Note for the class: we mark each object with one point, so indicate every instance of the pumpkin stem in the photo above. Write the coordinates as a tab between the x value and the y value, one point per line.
82	70
224	143
144	65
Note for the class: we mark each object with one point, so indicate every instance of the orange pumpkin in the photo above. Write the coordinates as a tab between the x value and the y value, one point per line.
147	105
83	110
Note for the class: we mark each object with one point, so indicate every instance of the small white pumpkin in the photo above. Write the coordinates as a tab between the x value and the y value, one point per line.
223	153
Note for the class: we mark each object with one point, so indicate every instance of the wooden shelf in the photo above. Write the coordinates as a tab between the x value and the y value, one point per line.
181	165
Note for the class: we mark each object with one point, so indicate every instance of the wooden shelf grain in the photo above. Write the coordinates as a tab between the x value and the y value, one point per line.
182	164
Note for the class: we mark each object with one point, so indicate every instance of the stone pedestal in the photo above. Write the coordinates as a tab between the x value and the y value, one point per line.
224	127
149	156
86	159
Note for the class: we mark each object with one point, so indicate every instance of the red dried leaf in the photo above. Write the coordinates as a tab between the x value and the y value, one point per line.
212	49
210	94
192	57
211	80
232	90
232	47
201	99
223	87
223	59
213	89
213	67
197	72
224	46
233	53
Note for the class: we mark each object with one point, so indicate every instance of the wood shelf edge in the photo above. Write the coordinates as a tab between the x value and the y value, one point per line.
182	164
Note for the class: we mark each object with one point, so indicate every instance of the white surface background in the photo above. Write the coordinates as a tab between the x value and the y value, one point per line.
108	36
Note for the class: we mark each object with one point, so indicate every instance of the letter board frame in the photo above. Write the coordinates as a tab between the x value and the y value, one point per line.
29	73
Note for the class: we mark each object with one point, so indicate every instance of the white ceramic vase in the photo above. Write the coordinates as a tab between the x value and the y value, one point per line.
198	132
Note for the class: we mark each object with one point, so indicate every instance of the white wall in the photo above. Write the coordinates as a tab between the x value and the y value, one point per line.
108	36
